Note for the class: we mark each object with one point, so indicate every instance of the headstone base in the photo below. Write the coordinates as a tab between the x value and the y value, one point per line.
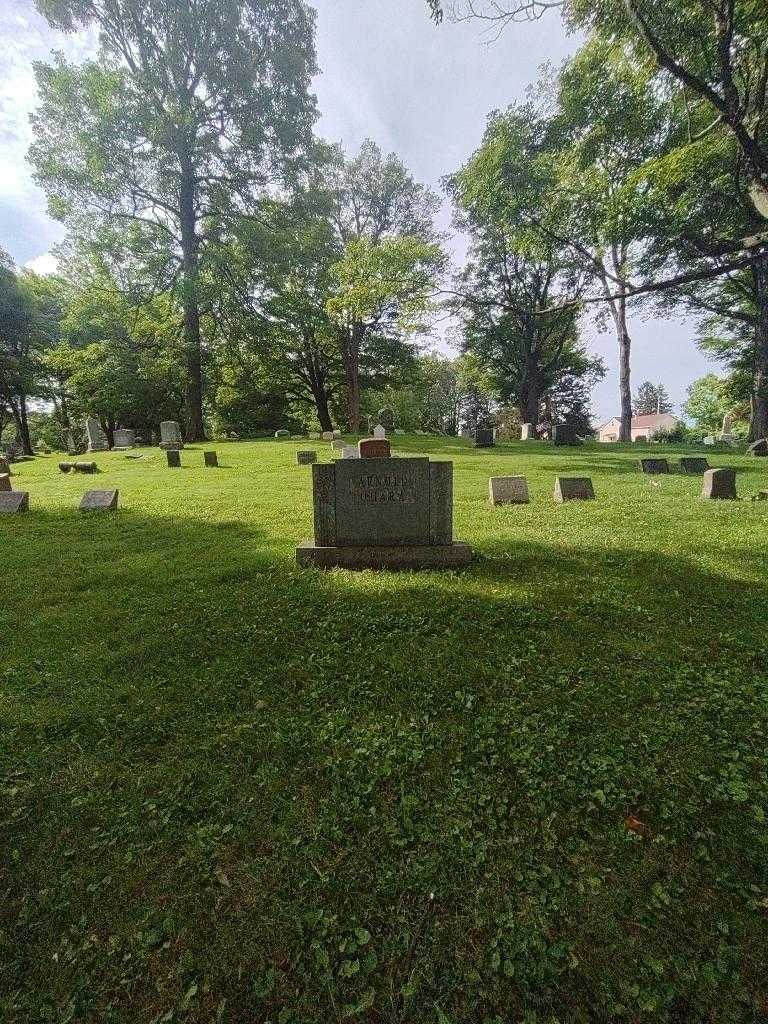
399	556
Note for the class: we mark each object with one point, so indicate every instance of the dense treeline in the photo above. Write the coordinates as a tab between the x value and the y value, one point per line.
226	268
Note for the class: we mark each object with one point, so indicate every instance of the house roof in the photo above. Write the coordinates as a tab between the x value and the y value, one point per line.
638	422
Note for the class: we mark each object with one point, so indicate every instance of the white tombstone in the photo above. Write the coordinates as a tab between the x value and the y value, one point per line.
327	435
337	433
97	439
527	432
170	435
350	451
124	438
379	432
337	445
508	490
709	440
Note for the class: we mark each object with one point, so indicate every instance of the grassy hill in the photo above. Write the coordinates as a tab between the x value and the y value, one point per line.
535	790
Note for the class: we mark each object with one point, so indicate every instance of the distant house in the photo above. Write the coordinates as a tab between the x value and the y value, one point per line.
643	427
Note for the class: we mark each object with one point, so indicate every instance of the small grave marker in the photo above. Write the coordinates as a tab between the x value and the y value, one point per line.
720	483
379	432
173	455
484	437
5	482
96	501
508	490
374	448
349	451
85	467
337	445
13	501
563	434
306	458
170	436
211	459
574	488
327	435
694	466
527	432
654	466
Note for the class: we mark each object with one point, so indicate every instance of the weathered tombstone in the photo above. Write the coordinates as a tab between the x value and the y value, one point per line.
383	513
379	432
350	451
729	439
508	490
386	418
234	436
565	434
170	436
65	467
527	432
13	501
327	435
173	455
654	466
574	488
719	483
97	439
374	448
337	445
5	466
484	437
466	434
305	458
336	433
693	465
281	434
123	438
99	501
85	467
5	482
759	449
211	460
314	435
709	441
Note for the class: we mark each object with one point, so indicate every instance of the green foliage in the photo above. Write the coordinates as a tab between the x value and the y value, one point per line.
651	399
534	789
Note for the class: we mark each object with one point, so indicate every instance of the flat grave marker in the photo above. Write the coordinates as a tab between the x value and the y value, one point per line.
306	458
508	490
654	467
574	488
99	501
720	484
13	501
694	466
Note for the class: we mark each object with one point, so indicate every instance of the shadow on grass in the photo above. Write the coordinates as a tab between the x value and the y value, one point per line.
261	783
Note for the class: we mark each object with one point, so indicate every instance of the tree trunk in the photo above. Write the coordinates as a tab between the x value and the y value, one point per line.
619	314
22	426
759	425
316	378
192	344
353	339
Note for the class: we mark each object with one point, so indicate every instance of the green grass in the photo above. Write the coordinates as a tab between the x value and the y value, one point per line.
234	791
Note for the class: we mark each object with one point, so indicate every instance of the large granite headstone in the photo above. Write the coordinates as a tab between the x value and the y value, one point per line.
654	466
124	438
693	465
484	437
563	434
13	501
99	501
719	483
170	436
97	439
383	513
574	488
508	490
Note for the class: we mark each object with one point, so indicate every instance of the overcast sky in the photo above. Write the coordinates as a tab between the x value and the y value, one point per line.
388	74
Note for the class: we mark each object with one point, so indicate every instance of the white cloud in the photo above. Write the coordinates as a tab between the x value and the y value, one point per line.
45	264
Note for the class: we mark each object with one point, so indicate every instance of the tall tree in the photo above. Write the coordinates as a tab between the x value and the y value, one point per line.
374	199
189	113
651	399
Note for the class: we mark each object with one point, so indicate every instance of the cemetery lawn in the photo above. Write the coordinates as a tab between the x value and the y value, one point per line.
534	790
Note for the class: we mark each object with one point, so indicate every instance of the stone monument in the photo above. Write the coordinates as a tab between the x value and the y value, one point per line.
13	501
383	513
693	465
211	460
508	490
350	451
379	432
124	438
306	458
564	434
719	483
373	448
653	466
5	482
574	488
99	501
97	439
173	455
484	437
170	436
527	432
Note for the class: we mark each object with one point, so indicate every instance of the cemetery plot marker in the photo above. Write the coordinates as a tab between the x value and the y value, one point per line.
693	466
527	432
574	488
13	501
484	437
124	438
97	439
211	460
173	455
565	435
305	458
383	513
97	501
508	490
5	482
720	483
654	466
373	448
170	436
